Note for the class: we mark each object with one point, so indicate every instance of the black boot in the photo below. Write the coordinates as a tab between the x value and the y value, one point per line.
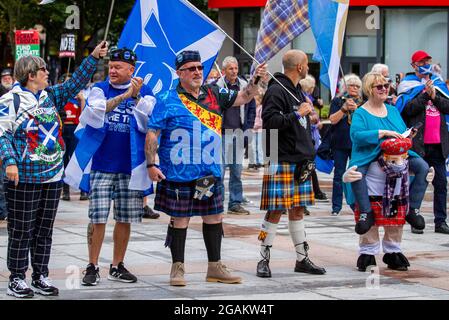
65	192
366	221
396	261
263	267
364	261
415	219
307	266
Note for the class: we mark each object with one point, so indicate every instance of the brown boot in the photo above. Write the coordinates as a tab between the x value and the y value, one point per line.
218	272
177	274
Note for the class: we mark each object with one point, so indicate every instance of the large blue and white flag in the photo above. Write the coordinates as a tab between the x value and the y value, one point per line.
157	30
328	23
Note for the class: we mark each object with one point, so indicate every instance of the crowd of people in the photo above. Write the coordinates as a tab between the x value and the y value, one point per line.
387	142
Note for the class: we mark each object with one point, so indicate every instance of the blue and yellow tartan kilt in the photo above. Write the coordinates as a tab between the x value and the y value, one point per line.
280	191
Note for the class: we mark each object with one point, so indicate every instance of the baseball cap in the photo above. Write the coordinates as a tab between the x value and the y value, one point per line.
420	55
6	72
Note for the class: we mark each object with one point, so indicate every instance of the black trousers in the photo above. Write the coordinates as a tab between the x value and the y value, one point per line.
31	214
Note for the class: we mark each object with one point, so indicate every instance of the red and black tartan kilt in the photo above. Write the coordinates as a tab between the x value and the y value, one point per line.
379	218
280	190
176	199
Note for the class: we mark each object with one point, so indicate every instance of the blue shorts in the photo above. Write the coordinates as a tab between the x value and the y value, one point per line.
105	187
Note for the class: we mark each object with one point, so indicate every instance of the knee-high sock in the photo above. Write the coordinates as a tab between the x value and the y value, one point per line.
212	235
298	234
267	235
176	240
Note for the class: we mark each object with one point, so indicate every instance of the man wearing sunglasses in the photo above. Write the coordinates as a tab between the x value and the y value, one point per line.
188	120
117	113
424	98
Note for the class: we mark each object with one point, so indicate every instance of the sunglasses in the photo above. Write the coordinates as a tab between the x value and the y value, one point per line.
43	69
193	69
380	87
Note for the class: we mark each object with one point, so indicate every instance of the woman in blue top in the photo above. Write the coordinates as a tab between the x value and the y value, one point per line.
372	123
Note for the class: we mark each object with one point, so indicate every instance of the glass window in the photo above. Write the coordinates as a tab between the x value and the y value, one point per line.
360	46
250	23
408	30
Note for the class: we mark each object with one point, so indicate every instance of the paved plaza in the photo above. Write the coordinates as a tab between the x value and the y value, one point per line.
333	244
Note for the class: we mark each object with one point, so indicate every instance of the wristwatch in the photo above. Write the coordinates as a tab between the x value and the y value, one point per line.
150	165
138	97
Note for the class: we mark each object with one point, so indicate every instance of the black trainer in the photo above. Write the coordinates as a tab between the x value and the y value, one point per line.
91	275
366	221
148	213
415	219
120	273
19	289
44	287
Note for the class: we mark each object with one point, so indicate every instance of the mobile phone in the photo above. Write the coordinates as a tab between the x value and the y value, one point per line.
417	126
398	78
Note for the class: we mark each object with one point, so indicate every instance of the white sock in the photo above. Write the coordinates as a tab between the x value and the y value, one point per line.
267	235
298	234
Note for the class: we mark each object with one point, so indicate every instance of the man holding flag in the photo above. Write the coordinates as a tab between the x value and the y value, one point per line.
189	175
115	121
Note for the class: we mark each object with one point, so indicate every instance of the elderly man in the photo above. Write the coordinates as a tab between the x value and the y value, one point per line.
286	182
117	115
235	120
6	81
188	120
424	99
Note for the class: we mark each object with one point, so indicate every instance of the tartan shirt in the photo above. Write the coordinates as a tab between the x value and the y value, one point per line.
32	138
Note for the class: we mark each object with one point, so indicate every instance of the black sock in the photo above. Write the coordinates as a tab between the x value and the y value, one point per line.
212	234
176	240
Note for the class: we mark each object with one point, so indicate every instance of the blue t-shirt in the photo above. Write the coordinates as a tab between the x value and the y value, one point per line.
114	154
190	149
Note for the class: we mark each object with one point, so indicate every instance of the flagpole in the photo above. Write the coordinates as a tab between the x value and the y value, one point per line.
238	45
109	21
221	76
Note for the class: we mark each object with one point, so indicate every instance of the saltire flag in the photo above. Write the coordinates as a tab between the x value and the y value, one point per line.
328	23
283	21
157	30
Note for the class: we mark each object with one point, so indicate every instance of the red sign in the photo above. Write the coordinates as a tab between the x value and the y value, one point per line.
27	37
352	3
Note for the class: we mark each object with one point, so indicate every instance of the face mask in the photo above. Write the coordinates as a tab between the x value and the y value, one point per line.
397	167
425	69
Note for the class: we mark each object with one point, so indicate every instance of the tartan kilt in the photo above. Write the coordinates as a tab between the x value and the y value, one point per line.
379	219
280	191
176	199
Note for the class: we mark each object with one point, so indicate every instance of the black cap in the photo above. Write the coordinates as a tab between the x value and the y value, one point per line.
123	54
187	56
6	72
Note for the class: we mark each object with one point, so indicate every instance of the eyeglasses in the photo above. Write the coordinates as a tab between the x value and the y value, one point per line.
193	69
380	87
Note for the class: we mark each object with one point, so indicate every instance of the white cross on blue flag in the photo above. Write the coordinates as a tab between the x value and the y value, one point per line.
157	30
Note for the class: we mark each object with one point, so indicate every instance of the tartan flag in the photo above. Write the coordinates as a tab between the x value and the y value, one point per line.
283	21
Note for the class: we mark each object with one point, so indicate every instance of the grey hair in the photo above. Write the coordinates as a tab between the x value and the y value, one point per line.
26	65
228	60
348	80
307	83
378	67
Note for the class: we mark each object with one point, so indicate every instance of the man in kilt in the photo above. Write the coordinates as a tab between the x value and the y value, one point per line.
188	120
286	182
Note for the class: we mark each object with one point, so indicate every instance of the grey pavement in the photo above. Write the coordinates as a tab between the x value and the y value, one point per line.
333	245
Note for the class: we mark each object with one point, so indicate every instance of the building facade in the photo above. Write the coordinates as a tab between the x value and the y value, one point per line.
386	31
